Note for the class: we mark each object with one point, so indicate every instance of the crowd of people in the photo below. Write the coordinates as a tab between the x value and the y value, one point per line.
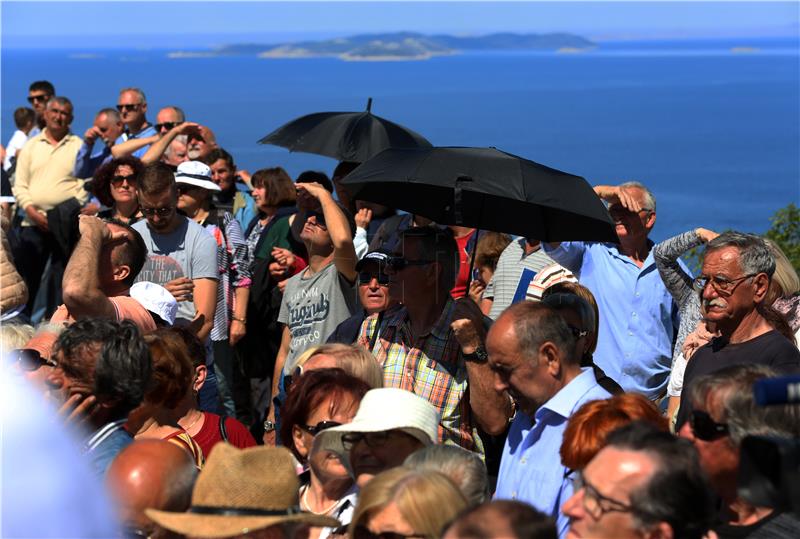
248	355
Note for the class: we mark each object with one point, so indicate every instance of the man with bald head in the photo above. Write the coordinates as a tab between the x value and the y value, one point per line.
151	474
107	127
638	318
132	107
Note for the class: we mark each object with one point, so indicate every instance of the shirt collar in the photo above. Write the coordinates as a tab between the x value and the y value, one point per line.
563	402
440	329
613	248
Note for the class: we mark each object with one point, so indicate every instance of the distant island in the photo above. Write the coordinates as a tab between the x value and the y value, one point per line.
402	46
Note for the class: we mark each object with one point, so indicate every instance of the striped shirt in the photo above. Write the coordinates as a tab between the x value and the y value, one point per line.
430	366
515	272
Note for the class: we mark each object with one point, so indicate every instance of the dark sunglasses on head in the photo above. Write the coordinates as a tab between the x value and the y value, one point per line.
365	277
29	359
135	106
705	428
578	333
117	180
319	427
35	98
166	125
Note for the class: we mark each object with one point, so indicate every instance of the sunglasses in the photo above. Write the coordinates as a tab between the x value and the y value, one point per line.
319	427
578	333
116	181
705	428
36	98
365	277
128	107
372	439
161	212
319	217
166	125
30	360
362	532
398	263
185	188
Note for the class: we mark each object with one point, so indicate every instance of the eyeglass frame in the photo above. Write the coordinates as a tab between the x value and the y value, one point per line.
18	356
129	107
352	439
168	125
579	483
700	283
720	430
319	427
382	278
40	97
161	212
118	179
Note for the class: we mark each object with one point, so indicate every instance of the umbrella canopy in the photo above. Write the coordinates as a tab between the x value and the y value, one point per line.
484	188
346	136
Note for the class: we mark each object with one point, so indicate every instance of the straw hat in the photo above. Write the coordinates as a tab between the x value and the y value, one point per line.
383	409
239	491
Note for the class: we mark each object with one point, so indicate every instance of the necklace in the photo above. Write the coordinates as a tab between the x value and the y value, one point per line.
304	501
190	425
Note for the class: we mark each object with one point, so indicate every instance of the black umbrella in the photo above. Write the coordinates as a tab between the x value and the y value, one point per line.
346	136
484	188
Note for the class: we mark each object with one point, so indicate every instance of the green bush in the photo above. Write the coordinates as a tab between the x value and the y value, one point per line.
785	231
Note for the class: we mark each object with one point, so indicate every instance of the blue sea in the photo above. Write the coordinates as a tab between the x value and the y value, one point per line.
714	131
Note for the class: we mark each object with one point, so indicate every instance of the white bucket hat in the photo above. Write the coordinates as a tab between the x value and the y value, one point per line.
197	174
385	409
156	299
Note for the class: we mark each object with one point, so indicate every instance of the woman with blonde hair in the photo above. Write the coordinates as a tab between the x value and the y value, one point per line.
406	502
354	360
784	290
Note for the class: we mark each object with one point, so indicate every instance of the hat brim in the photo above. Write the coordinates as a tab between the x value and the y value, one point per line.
203	184
192	524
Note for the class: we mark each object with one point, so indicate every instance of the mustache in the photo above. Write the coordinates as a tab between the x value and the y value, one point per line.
716	302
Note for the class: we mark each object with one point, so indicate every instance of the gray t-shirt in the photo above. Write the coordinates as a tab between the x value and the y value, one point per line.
508	276
188	251
312	307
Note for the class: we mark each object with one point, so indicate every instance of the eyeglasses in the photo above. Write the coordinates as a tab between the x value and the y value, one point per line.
319	217
723	287
372	439
365	277
166	125
596	504
116	181
624	212
129	532
186	188
705	428
36	98
578	333
30	360
398	263
135	106
161	212
362	532
319	427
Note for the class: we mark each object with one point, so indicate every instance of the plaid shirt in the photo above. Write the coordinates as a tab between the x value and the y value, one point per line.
430	366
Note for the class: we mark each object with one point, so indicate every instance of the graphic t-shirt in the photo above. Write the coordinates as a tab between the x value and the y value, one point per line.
312	307
188	251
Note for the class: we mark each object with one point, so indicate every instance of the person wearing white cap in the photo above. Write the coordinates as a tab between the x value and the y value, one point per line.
389	425
195	188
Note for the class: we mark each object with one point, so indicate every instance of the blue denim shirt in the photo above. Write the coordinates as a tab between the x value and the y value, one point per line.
149	131
531	469
104	444
638	319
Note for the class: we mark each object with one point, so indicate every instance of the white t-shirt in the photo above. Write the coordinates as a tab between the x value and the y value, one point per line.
17	141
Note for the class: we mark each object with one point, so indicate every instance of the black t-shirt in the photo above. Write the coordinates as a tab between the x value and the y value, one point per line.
775	526
771	349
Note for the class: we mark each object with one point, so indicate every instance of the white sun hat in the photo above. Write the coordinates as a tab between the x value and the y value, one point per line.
197	174
385	409
156	299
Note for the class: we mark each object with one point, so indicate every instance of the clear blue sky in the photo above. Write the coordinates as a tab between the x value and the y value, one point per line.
111	23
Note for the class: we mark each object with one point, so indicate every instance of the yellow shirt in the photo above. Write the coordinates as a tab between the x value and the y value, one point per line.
44	173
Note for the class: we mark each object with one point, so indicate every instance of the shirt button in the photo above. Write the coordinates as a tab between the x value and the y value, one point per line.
514	495
633	315
523	461
637	294
630	333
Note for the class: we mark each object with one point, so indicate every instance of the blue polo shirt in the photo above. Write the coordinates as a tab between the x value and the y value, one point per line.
638	318
531	469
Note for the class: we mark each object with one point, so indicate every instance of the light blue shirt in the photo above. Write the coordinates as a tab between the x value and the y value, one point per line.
148	131
638	318
87	162
531	469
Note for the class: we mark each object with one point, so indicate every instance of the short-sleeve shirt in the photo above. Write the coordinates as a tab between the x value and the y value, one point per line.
125	307
312	307
515	271
210	435
771	349
188	251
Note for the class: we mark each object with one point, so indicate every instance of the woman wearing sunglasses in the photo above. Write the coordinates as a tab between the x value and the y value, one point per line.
114	185
318	400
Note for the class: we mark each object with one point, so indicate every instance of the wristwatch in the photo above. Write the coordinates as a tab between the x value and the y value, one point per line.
269	426
478	356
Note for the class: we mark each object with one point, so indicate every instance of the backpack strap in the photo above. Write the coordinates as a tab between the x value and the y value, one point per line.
222	431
